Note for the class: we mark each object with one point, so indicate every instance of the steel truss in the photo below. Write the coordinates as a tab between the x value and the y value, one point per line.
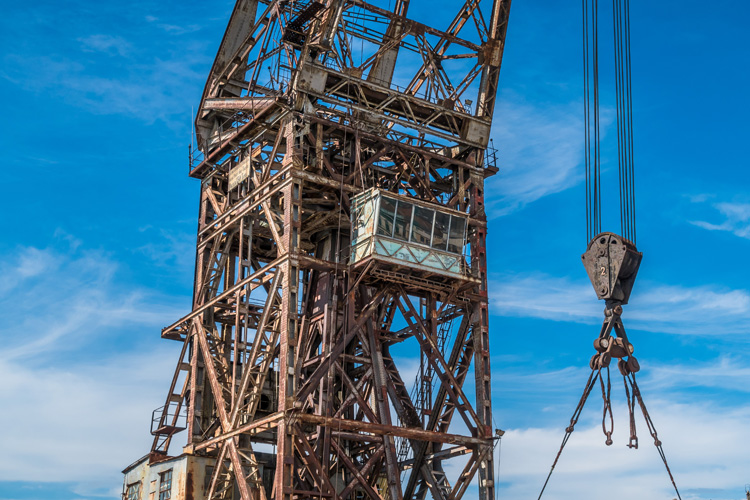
287	361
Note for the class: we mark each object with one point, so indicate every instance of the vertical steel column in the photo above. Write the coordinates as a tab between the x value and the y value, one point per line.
480	333
285	471
197	378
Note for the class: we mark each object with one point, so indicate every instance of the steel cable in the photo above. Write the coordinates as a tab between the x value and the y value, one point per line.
624	98
592	119
652	429
590	384
586	119
592	149
607	410
597	139
633	441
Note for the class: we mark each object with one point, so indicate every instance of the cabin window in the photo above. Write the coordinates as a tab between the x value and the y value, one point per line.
387	213
421	228
457	234
440	231
386	226
403	220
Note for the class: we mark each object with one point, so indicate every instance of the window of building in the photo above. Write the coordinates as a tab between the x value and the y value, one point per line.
207	479
133	492
165	485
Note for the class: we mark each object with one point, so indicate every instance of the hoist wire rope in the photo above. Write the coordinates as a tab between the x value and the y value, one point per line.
592	117
592	148
633	440
630	115
626	184
616	25
652	429
631	387
597	137
586	110
607	410
623	86
590	384
622	132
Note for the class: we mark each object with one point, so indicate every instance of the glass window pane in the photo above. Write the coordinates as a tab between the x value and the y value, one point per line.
134	492
403	220
421	229
387	212
207	479
456	240
165	485
440	232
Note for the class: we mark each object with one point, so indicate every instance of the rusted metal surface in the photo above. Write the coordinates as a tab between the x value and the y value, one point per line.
612	264
289	340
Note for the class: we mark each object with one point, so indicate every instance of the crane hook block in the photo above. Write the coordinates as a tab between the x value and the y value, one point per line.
612	264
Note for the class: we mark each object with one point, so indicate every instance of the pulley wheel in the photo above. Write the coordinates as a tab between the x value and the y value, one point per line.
594	362
622	365
633	364
604	359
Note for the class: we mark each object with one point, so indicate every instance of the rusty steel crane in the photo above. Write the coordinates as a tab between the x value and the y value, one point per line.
342	149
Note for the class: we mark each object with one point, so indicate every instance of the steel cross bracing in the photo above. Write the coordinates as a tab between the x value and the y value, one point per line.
286	375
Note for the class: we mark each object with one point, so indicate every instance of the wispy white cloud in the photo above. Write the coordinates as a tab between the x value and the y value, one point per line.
555	390
62	299
727	373
701	310
542	296
700	197
171	248
79	412
541	383
83	421
107	44
540	151
734	216
142	69
150	91
704	445
180	30
704	440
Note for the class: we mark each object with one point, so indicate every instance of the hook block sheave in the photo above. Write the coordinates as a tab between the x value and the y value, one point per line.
612	264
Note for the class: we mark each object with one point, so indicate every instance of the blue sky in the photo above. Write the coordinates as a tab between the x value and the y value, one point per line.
100	219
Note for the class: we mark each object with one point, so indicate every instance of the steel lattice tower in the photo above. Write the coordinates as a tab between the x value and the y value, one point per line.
342	152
